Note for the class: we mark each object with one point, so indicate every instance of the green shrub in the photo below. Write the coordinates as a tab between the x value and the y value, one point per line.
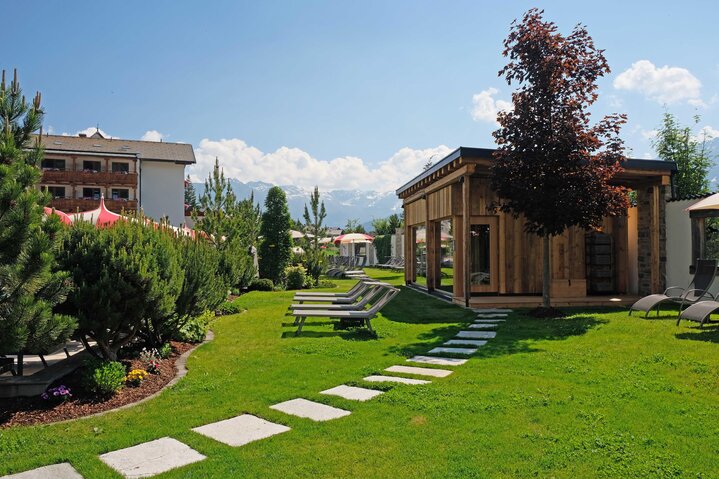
165	351
103	377
263	284
195	330
230	307
325	283
296	277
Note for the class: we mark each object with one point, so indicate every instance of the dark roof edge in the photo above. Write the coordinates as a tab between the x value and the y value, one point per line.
691	197
471	152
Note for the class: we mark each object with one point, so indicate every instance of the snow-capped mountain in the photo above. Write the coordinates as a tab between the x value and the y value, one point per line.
341	205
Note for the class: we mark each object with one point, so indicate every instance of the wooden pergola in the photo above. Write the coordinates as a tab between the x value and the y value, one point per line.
495	262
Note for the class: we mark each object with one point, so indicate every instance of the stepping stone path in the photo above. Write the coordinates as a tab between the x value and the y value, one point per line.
56	471
488	321
469	342
476	335
150	458
492	310
394	379
352	393
438	361
453	350
241	430
483	325
435	373
491	316
309	409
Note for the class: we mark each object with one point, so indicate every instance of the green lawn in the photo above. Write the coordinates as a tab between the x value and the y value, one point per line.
593	395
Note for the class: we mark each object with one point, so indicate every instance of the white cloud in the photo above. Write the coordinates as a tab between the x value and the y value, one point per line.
485	107
649	134
708	132
153	135
662	84
292	166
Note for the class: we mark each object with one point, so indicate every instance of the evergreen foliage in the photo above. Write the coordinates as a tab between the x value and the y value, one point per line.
675	142
276	247
551	167
383	246
190	194
314	218
29	288
353	226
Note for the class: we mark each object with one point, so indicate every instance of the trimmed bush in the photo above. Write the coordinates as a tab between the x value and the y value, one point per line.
103	377
230	307
325	283
262	284
195	330
296	277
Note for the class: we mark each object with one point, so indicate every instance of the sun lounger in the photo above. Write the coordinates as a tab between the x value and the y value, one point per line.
300	298
326	294
700	312
698	290
374	290
364	316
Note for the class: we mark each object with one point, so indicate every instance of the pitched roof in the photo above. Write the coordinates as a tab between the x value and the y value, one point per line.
146	150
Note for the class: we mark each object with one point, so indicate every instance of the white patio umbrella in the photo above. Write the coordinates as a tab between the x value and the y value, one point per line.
353	238
708	203
325	240
297	234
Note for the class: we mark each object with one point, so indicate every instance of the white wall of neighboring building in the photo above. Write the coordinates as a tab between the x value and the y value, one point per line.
162	190
679	242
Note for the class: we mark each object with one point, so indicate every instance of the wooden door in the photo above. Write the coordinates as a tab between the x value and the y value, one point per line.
482	257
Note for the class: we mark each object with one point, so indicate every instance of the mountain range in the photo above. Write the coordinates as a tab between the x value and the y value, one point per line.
341	205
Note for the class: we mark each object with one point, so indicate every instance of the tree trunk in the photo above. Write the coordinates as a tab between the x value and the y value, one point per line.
546	279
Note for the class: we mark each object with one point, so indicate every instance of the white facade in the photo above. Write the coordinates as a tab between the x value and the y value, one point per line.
679	242
162	190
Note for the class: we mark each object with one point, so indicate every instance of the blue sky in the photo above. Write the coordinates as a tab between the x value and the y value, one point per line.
355	94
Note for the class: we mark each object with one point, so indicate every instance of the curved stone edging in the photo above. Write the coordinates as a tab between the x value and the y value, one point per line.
181	372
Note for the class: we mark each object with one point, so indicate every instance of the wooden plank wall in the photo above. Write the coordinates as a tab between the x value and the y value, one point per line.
415	212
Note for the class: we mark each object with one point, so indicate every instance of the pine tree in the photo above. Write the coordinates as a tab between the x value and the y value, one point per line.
314	217
29	288
190	194
276	247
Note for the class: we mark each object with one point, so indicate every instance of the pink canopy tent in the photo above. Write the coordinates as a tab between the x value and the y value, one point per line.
353	238
100	216
64	217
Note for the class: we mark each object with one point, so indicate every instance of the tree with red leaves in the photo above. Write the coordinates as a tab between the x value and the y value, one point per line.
552	167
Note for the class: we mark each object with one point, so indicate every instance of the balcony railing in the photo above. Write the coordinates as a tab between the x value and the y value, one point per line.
119	178
73	205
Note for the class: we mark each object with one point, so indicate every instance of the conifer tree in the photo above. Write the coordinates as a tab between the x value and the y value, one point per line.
276	247
28	242
190	194
314	217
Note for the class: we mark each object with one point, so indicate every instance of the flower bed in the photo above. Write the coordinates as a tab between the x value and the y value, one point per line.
79	403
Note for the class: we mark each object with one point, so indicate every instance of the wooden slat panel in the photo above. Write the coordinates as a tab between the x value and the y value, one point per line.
415	213
439	203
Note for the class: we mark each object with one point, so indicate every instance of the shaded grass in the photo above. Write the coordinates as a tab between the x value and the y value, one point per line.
597	394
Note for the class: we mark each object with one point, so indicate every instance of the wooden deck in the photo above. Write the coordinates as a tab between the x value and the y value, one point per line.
533	301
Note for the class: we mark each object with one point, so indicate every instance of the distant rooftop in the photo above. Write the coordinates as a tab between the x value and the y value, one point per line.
96	143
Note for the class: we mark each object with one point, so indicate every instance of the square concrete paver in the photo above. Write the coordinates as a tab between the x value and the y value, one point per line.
351	392
310	410
437	361
56	471
441	350
394	379
483	325
480	326
469	342
492	310
435	373
492	316
489	321
151	458
476	334
240	430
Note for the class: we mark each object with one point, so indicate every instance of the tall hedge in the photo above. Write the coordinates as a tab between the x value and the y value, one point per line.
383	247
276	247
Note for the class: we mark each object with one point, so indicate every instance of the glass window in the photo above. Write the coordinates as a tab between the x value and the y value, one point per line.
120	167
480	272
91	193
88	165
420	254
53	164
56	191
120	194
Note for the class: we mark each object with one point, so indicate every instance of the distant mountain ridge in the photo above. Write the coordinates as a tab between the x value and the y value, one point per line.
341	205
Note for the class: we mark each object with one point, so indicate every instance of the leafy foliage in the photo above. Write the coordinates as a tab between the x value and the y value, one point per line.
103	377
383	247
276	247
261	284
675	142
387	226
314	218
29	288
190	194
353	226
551	167
296	277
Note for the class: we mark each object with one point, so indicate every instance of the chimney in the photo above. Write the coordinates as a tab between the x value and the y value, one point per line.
82	135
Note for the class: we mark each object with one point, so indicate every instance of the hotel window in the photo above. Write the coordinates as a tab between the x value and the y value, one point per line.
91	165
91	193
120	194
120	167
56	191
53	164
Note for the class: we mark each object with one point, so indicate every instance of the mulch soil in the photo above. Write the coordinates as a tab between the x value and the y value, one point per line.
26	411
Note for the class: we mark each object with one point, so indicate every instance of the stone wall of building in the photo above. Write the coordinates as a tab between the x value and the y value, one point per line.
644	240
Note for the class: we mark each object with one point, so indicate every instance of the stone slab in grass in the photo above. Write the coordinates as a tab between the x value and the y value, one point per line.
442	350
480	326
394	379
438	361
56	471
435	373
476	334
240	430
483	325
492	310
309	409
488	321
469	342
151	458
352	393
492	316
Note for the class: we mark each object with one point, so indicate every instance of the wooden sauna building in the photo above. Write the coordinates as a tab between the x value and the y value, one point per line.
455	244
